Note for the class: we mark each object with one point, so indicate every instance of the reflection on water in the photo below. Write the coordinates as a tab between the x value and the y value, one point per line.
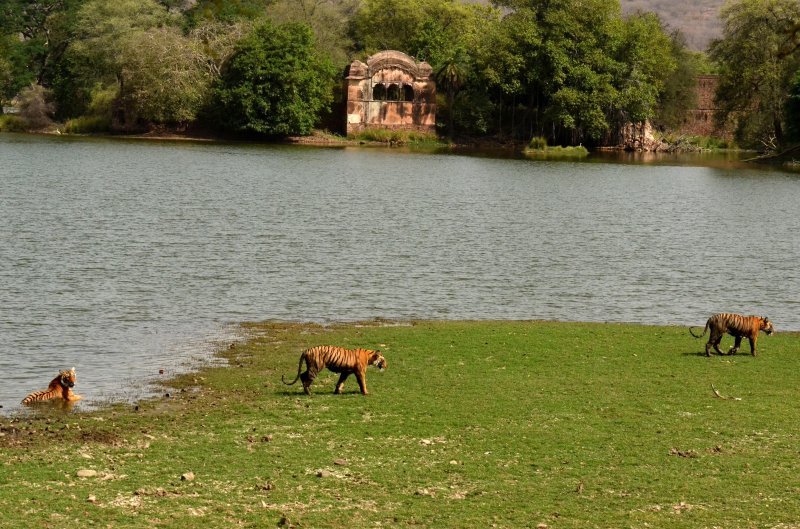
126	258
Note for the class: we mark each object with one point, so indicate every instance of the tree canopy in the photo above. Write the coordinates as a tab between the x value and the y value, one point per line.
573	71
757	61
274	84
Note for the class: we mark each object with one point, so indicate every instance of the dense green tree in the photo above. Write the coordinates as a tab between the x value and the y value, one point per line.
275	84
42	30
645	55
451	77
6	75
228	11
792	112
756	68
429	30
680	88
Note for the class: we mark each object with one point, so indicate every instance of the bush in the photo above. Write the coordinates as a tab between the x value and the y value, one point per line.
401	137
538	147
275	84
537	143
11	124
88	125
35	109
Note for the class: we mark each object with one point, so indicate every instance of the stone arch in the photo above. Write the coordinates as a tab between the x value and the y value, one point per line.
391	90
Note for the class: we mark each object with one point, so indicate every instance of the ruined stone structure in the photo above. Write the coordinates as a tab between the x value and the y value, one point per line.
699	121
390	91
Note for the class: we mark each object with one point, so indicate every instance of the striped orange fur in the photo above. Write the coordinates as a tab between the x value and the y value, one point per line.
59	388
737	326
339	360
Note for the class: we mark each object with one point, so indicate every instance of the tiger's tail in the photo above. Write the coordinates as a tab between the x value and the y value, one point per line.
38	396
705	329
299	369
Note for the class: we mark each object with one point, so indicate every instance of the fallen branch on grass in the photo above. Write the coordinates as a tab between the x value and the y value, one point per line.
722	396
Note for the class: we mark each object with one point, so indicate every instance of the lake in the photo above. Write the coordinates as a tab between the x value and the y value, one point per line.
123	258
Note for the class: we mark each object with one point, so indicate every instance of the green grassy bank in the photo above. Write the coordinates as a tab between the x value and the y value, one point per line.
474	424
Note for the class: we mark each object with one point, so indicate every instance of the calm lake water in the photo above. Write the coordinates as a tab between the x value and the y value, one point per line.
125	257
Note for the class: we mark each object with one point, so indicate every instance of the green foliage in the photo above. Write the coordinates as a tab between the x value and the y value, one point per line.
275	84
538	148
396	137
328	20
537	143
87	125
680	88
6	76
228	11
792	115
572	71
756	68
39	33
473	424
12	123
163	79
98	112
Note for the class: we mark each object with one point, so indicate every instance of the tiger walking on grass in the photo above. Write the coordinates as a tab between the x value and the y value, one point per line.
737	326
338	360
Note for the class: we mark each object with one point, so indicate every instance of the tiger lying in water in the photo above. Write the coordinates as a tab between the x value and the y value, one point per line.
737	326
338	360
60	387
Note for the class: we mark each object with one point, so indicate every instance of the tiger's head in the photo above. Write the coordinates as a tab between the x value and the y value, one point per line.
67	378
766	326
378	360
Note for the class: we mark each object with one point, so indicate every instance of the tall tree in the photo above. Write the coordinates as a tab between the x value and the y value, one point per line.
756	67
451	77
163	78
275	84
328	19
43	29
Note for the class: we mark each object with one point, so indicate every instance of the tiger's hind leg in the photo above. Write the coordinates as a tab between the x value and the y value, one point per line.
307	377
340	383
713	341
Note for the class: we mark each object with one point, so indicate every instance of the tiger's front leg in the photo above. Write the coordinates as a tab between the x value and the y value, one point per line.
753	340
737	342
340	383
362	382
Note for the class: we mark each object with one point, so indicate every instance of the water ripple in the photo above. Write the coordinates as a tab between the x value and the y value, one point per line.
124	258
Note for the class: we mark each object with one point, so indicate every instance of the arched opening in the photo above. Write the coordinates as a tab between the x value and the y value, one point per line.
393	93
408	93
379	92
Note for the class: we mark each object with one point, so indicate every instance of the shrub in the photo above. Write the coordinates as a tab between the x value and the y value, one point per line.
537	143
35	109
87	125
11	124
401	137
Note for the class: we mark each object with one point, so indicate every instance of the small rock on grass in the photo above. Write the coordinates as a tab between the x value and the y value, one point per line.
86	473
188	476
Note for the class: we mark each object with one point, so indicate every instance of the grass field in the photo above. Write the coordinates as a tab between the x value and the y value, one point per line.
474	424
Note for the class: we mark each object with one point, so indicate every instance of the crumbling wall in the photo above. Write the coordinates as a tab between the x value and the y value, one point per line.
391	91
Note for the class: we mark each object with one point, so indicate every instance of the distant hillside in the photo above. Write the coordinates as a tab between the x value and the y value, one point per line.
697	19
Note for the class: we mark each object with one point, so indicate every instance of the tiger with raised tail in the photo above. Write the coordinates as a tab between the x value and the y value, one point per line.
339	360
59	388
737	326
